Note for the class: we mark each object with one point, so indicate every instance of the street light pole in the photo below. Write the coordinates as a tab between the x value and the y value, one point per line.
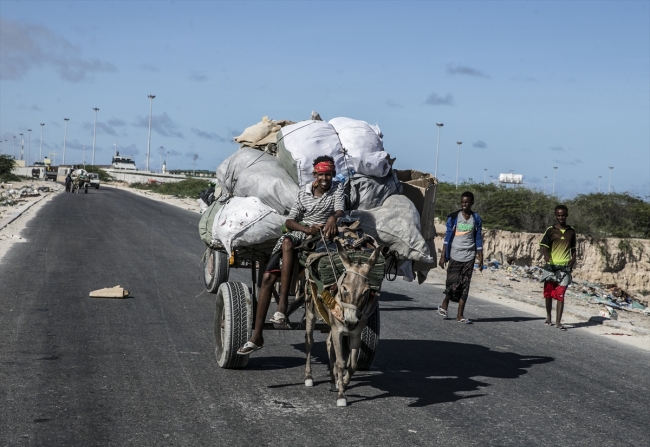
599	177
40	153
151	97
65	133
161	152
96	109
484	175
435	173
22	145
458	161
554	170
609	184
545	183
29	145
13	147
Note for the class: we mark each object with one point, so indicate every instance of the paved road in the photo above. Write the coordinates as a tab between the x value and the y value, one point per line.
141	371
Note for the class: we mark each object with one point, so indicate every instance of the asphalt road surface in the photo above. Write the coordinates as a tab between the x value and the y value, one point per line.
79	371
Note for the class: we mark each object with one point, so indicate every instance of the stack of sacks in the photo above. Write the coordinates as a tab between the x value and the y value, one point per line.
244	222
252	173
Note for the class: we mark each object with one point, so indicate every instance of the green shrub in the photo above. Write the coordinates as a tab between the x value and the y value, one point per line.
186	188
7	164
103	175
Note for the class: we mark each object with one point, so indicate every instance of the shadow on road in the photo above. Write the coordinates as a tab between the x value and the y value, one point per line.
511	319
432	372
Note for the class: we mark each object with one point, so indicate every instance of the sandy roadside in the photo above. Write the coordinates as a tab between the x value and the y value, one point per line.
498	286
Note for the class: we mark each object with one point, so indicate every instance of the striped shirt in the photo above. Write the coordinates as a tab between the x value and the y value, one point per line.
316	210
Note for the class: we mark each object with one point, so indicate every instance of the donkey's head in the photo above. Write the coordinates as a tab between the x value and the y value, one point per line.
354	286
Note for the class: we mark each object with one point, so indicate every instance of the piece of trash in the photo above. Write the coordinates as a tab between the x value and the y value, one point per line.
608	312
110	292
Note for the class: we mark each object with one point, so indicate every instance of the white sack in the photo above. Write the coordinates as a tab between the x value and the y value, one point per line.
253	173
364	143
299	144
374	164
396	224
246	221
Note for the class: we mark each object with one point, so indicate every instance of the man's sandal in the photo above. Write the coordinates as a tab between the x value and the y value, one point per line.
465	321
442	312
278	318
561	327
248	347
548	323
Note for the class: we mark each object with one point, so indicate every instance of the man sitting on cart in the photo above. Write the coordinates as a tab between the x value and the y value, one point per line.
318	206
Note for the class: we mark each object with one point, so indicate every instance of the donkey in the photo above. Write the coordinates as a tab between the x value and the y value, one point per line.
348	313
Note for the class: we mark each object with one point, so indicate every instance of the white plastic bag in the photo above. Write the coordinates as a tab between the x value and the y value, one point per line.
299	144
246	221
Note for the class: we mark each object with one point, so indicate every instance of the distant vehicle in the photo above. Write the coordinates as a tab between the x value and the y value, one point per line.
94	180
51	173
123	162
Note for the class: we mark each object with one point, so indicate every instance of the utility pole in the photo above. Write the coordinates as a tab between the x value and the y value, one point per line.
96	109
22	145
554	170
599	177
609	188
435	173
40	152
29	146
65	134
151	97
458	161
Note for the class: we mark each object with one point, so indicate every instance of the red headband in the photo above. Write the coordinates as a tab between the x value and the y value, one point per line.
324	166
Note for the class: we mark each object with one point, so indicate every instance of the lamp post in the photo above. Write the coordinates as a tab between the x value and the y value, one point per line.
84	160
13	147
22	145
65	133
435	173
151	97
40	152
609	188
166	162
554	171
96	109
545	183
484	175
29	146
458	161
599	177
161	152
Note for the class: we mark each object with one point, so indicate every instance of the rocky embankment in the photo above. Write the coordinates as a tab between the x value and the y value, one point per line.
624	262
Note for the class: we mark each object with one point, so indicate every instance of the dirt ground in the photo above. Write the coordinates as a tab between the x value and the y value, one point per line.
500	286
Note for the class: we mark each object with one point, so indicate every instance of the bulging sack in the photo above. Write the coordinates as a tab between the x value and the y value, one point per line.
396	224
253	173
207	222
364	144
299	144
246	221
371	192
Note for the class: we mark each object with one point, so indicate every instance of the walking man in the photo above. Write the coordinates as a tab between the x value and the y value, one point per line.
463	244
558	246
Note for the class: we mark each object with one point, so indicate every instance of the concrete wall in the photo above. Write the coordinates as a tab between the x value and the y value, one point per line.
146	177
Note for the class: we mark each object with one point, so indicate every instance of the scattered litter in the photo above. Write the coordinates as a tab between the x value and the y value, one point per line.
608	312
110	292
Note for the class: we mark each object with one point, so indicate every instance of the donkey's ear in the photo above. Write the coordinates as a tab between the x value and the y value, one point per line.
373	257
345	259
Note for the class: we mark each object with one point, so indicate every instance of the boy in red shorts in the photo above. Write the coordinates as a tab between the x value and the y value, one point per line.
559	249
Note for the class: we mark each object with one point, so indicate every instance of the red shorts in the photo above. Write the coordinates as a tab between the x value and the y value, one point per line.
553	290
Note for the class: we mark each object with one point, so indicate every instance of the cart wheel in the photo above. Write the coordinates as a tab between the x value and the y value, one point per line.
233	322
215	270
369	342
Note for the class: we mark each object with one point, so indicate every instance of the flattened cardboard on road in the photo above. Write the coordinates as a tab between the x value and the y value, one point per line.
110	292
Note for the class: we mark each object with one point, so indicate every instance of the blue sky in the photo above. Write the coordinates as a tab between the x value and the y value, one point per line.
524	85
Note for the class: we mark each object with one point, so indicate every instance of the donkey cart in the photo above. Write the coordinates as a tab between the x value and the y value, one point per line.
236	303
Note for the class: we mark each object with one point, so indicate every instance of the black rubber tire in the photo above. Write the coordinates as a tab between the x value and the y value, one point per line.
216	267
369	342
233	322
